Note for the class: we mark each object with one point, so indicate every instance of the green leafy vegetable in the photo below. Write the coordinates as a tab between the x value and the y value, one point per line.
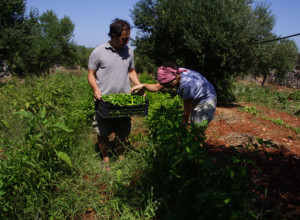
123	99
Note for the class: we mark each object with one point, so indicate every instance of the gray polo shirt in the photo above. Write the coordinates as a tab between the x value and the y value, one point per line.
112	68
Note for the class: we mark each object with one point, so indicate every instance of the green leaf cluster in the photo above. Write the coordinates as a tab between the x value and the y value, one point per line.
188	182
123	99
41	121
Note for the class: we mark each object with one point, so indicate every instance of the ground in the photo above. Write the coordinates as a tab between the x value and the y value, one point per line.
233	127
279	180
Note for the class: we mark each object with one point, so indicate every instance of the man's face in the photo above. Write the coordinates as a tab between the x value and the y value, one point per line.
123	39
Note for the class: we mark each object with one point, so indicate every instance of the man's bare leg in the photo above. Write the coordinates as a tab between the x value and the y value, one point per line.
121	142
103	144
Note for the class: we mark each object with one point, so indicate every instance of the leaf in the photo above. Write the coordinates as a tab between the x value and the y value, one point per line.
119	174
226	201
24	114
2	193
5	123
188	149
42	112
62	126
65	157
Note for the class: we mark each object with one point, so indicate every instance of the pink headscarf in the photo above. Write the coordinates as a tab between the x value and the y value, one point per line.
167	74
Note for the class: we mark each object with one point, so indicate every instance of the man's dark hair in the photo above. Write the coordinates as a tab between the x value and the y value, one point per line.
117	27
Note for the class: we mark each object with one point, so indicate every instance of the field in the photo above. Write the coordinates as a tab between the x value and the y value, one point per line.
244	166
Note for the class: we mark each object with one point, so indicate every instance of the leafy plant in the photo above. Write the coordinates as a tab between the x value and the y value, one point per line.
295	95
187	182
41	124
267	96
251	110
279	121
123	99
31	167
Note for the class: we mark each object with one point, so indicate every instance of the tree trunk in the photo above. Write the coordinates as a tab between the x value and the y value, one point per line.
264	80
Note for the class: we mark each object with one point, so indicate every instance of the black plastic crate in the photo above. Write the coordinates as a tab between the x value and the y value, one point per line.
108	110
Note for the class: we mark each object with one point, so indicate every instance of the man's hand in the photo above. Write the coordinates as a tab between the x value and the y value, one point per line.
97	94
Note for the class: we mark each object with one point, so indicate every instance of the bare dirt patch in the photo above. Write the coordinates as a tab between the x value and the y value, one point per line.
278	181
233	127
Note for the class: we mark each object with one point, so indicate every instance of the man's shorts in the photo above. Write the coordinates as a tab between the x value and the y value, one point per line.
204	112
105	126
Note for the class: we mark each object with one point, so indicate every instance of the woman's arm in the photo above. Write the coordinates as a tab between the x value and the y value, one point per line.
149	87
188	106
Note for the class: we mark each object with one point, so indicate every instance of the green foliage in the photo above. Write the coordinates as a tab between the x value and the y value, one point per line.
38	139
278	121
251	110
15	30
216	38
268	96
146	78
50	169
123	99
285	57
31	167
31	44
143	64
83	54
202	35
278	56
187	182
52	45
295	95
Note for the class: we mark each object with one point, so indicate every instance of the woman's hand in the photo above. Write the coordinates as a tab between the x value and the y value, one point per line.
138	89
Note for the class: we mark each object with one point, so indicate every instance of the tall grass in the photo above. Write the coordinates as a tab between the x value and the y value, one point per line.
287	101
41	124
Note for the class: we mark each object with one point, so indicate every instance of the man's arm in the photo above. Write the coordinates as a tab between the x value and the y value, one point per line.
93	84
134	77
188	105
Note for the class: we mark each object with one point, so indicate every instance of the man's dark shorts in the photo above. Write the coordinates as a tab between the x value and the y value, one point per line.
105	126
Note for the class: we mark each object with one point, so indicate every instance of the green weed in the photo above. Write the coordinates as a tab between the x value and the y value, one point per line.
41	120
268	96
251	110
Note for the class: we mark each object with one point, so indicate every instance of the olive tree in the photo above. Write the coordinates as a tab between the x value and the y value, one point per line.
51	45
15	29
31	44
212	37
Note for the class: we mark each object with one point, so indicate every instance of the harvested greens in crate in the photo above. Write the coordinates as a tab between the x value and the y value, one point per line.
122	105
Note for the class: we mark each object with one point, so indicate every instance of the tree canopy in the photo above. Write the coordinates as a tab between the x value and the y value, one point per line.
31	44
212	37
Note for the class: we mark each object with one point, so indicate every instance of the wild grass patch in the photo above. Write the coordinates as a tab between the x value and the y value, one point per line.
287	101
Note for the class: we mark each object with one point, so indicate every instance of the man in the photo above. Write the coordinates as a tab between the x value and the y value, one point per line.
111	65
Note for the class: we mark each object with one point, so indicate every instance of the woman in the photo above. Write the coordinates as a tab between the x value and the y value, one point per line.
199	96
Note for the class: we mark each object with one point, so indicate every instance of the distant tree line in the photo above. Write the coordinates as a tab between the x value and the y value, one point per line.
217	38
31	44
